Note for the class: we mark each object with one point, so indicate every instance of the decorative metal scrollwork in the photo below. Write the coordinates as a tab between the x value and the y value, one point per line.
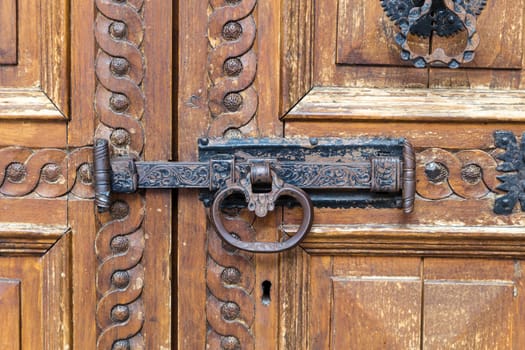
262	173
514	165
442	17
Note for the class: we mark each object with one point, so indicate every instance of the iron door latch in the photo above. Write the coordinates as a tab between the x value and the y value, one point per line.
262	173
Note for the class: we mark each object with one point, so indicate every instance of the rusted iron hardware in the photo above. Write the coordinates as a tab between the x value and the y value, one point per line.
262	173
442	17
514	165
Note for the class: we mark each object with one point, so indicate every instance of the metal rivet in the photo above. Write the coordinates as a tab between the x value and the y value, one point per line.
232	31
85	173
120	279
16	172
51	173
122	344
119	65
233	102
119	102
230	343
118	30
233	67
120	137
231	275
119	244
120	313
119	210
232	134
230	311
472	174
436	172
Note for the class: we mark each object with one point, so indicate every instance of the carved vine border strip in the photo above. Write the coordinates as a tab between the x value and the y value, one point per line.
48	173
233	103
119	105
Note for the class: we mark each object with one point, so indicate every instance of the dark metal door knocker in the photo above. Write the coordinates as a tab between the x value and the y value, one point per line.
443	17
262	173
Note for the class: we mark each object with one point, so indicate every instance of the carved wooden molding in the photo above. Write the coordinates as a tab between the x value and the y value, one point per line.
42	79
48	173
119	244
233	103
467	174
233	100
28	239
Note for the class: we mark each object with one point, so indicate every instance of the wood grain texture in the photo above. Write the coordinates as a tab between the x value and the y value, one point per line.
81	123
386	240
55	73
57	283
452	136
436	105
159	120
296	51
294	268
268	49
42	298
24	239
500	27
8	32
10	307
42	65
328	73
27	104
81	219
376	312
192	121
473	304
365	36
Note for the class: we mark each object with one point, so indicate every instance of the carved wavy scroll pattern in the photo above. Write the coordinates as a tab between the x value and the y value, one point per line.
233	103
119	105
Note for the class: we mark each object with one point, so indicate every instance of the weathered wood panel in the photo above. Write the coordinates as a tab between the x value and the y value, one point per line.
8	32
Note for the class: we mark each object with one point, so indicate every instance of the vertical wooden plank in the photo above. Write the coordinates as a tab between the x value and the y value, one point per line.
57	295
193	118
55	75
269	57
10	308
320	302
267	287
84	298
8	32
158	116
82	123
376	313
294	299
296	51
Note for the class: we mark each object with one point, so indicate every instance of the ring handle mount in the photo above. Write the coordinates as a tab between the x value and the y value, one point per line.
261	203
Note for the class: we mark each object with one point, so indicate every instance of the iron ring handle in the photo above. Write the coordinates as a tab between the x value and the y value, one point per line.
264	247
467	55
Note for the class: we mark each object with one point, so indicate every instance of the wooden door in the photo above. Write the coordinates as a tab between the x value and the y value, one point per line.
71	278
447	276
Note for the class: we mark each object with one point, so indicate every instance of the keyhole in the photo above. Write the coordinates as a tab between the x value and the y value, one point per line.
266	290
